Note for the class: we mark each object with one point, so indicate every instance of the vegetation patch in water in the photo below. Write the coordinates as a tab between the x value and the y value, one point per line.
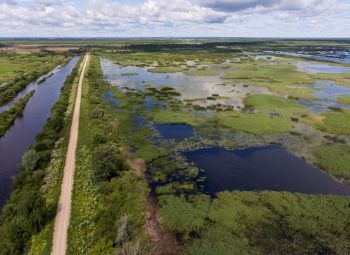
166	69
274	104
343	100
129	74
333	122
8	117
176	117
200	73
335	158
258	124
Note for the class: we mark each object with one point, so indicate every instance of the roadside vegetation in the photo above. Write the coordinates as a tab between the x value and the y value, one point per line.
9	116
108	207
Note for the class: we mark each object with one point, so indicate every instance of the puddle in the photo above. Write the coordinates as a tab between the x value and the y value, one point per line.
326	93
261	168
175	131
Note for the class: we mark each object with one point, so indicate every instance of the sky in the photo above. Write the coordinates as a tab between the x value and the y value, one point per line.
175	18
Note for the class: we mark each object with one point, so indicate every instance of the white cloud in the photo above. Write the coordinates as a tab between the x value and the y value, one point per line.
174	18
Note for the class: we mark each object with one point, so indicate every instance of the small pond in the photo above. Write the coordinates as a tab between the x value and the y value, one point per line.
326	94
175	131
261	168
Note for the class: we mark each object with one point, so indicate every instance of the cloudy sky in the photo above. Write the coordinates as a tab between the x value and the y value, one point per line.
188	18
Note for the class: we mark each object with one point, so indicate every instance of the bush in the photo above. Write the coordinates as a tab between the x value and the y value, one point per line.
29	160
107	162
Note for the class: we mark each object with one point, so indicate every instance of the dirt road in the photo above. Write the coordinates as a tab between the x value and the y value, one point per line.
59	243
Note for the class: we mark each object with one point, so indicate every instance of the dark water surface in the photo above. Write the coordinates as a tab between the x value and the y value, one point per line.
175	131
21	135
261	168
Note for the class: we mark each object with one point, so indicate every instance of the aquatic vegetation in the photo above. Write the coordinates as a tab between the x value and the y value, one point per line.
182	216
149	153
343	100
129	74
198	72
166	69
258	124
282	79
273	104
176	117
333	122
8	117
259	223
334	158
339	78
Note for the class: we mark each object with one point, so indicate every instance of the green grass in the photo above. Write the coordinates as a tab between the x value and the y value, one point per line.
166	69
339	78
343	100
282	79
335	159
200	73
258	124
270	73
176	117
9	116
334	123
37	69
273	104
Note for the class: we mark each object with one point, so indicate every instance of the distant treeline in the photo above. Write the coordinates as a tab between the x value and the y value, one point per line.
191	46
5	45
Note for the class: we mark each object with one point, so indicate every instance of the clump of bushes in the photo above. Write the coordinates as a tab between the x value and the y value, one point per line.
107	162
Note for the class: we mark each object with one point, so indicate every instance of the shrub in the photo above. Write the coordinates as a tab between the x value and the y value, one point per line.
29	160
107	162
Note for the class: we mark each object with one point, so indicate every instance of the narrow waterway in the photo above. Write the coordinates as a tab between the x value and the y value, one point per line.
31	86
21	135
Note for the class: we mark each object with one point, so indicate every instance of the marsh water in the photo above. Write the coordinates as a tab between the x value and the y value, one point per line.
338	56
311	67
261	168
191	87
21	135
326	94
175	131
